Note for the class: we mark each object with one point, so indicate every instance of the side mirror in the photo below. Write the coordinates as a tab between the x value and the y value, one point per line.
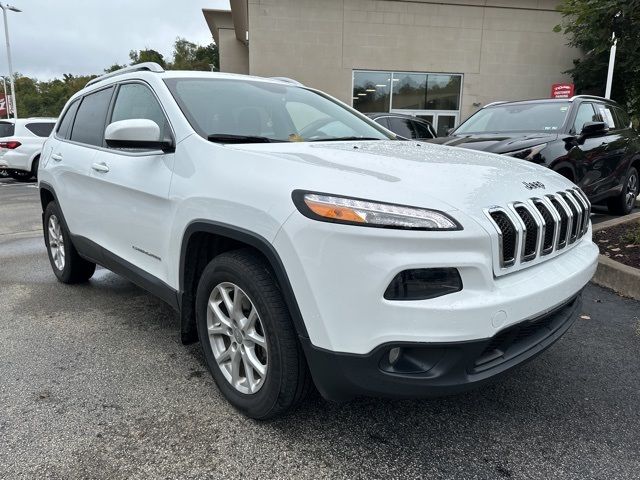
136	133
591	129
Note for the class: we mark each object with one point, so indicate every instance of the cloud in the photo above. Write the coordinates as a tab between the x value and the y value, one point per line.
49	38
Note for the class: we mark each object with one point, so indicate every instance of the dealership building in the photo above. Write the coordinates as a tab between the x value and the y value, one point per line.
440	60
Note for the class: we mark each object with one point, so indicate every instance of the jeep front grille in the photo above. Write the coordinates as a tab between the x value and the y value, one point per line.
539	228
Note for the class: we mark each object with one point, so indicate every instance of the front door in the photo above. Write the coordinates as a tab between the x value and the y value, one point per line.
135	187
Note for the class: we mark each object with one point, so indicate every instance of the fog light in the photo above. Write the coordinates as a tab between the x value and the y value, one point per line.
394	354
423	284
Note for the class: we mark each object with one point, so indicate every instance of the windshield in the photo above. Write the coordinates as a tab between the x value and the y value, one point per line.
245	111
521	117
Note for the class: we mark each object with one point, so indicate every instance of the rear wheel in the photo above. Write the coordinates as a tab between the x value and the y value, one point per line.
626	201
20	175
248	338
67	264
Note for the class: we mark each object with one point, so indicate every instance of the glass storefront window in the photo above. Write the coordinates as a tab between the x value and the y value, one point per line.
409	91
372	91
443	92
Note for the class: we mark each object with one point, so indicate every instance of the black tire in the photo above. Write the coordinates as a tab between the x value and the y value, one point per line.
34	167
75	269
20	175
287	380
624	203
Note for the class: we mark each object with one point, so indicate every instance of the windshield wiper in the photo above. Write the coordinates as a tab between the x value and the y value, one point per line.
229	138
341	139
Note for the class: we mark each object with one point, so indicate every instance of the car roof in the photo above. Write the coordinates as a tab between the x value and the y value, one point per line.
399	115
552	100
29	119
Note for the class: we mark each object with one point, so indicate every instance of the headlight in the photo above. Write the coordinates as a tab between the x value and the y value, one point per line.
529	153
355	211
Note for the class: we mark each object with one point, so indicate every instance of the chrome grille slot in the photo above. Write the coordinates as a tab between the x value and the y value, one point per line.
530	241
508	235
537	229
575	216
564	222
549	226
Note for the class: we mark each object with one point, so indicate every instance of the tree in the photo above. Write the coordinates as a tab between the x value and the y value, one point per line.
189	56
147	55
589	23
114	67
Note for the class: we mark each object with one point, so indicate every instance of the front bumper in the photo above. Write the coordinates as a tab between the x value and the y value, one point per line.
436	368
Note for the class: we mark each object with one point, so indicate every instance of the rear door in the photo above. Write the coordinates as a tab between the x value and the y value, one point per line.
73	154
132	188
613	163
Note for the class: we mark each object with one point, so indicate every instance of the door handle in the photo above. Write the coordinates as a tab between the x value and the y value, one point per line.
100	167
56	156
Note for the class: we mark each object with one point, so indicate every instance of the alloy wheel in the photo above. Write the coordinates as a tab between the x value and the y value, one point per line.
632	190
237	338
56	242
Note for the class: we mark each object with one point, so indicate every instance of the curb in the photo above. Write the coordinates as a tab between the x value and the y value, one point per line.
621	278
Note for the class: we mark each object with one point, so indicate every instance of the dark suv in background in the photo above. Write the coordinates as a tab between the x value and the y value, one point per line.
406	126
589	140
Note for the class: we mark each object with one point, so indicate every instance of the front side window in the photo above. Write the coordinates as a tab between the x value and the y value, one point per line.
585	114
40	129
606	113
244	111
136	100
519	117
422	130
89	124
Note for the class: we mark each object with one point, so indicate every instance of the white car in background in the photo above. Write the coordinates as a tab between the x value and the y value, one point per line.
21	143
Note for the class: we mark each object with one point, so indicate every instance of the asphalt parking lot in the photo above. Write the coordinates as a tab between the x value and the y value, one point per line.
94	383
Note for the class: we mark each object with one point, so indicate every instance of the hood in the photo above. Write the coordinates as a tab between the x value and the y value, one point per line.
496	143
409	173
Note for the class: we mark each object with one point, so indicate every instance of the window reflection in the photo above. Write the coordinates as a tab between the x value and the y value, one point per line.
443	92
371	91
410	91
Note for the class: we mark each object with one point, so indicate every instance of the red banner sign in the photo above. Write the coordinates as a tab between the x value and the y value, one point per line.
3	105
562	90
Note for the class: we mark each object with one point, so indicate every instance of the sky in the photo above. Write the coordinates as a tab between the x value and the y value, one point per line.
82	37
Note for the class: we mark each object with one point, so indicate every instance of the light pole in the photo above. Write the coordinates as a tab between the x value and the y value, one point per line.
612	56
6	35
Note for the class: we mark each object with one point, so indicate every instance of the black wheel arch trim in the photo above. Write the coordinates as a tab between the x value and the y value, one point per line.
259	243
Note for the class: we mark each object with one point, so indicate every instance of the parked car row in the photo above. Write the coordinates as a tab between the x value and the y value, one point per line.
589	140
21	146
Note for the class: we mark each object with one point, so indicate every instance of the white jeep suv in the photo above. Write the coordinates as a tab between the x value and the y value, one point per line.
21	144
304	244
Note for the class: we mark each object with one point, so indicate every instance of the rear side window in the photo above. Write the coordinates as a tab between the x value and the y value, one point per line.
134	101
384	121
64	128
6	129
422	131
91	117
623	119
402	126
40	129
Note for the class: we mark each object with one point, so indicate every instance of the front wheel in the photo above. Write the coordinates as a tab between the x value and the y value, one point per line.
68	266
626	201
248	338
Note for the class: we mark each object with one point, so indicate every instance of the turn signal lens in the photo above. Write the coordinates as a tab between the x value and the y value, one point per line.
354	211
334	211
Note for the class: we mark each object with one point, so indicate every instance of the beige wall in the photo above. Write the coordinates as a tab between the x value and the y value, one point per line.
234	55
504	52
